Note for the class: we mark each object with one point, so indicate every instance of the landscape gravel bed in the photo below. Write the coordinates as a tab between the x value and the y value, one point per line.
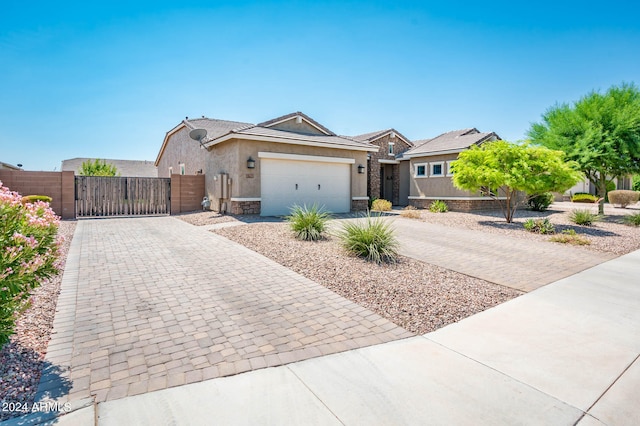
609	235
207	217
21	359
414	295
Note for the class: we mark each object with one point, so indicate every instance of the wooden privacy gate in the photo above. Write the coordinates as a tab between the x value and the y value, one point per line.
122	196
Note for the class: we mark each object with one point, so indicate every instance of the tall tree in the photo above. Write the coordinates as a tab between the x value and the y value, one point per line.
509	173
601	132
98	168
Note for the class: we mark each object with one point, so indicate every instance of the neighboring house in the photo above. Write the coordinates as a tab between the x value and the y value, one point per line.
125	168
386	176
429	164
7	166
268	167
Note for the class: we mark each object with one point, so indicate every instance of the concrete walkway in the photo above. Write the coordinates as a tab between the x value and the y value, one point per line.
153	303
564	354
513	262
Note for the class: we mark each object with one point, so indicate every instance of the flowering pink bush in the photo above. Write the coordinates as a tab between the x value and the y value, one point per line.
28	253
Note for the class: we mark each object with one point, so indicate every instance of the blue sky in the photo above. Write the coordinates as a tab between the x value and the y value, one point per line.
108	80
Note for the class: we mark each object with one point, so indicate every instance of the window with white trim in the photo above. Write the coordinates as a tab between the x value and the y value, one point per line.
449	171
170	171
390	150
420	170
182	169
437	169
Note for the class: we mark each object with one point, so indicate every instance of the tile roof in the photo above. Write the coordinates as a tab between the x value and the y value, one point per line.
214	127
126	168
319	139
456	140
371	136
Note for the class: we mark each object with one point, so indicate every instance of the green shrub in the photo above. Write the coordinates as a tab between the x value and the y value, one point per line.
581	197
623	198
636	183
610	186
34	198
569	236
632	219
381	205
583	217
410	212
371	238
28	253
438	206
308	223
539	226
540	202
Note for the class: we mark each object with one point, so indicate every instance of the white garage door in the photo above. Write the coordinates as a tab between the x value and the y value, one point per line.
285	182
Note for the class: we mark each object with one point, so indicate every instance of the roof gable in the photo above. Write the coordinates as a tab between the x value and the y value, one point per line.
297	122
373	136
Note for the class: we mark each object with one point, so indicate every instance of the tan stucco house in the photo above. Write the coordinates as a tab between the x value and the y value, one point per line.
268	167
387	176
430	176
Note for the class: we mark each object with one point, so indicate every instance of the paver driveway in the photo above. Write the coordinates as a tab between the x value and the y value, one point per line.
151	303
509	261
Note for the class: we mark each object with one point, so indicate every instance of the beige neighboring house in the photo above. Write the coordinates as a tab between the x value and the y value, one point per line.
430	177
7	166
125	168
388	177
266	168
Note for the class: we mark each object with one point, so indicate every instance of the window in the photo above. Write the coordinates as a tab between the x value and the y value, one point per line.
391	148
182	169
170	171
449	171
420	170
437	169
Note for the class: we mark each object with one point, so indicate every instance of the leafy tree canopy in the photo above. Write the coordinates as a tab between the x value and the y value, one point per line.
601	132
98	168
505	171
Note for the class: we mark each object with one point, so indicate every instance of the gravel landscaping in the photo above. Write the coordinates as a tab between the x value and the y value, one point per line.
609	235
21	359
414	295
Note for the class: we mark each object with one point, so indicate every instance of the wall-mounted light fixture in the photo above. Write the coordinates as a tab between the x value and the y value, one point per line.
251	163
360	169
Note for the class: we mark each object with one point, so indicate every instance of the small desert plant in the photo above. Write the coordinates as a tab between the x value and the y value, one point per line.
381	205
582	197
34	198
583	217
371	238
539	226
438	206
540	202
623	198
569	236
410	212
308	223
632	219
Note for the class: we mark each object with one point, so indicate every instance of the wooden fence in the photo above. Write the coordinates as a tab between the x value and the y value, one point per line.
122	196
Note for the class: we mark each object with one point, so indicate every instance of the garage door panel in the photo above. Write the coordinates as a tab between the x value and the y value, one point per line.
280	177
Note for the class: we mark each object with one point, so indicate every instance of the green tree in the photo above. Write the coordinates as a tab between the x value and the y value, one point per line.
511	173
601	132
98	168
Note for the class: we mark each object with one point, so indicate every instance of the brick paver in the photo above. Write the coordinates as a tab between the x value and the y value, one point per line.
151	303
512	262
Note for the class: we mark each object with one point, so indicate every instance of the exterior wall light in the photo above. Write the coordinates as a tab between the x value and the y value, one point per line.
251	163
361	169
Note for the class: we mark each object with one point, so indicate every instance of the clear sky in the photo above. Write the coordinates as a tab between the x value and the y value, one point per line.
108	80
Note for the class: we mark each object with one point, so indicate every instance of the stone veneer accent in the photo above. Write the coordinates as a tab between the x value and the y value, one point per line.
359	205
245	207
373	172
459	205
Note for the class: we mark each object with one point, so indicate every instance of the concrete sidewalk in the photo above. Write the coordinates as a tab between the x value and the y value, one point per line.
561	355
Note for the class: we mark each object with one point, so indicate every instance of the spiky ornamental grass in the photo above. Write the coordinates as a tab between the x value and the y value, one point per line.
308	223
371	238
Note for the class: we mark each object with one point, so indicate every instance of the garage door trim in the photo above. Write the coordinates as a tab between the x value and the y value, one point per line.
298	157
